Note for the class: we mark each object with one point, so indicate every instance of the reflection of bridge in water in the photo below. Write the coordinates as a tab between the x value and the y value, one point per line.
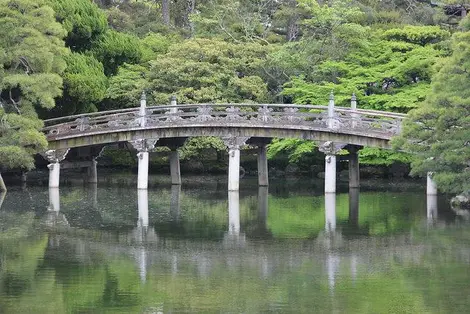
148	249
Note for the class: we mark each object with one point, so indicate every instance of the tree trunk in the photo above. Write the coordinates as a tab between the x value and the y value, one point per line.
3	187
292	22
190	5
166	12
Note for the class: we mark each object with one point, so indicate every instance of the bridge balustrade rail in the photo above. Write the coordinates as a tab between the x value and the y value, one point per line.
345	120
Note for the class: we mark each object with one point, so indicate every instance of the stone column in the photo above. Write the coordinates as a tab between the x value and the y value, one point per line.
2	197
330	149
431	207
233	144
262	209
354	181
175	167
233	212
175	202
354	207
143	147
54	157
54	200
143	207
93	195
431	188
262	166
330	212
92	172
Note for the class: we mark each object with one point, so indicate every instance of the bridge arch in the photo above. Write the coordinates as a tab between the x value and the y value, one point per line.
332	127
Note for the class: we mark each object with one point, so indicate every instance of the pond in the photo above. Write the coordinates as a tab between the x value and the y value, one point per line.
109	248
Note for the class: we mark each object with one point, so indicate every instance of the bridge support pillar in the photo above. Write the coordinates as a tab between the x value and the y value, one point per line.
233	144
431	188
262	166
54	157
143	170
330	149
233	212
92	171
330	173
175	167
354	179
143	147
54	174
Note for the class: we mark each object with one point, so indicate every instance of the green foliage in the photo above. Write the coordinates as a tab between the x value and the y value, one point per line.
439	131
195	146
31	58
202	70
419	35
377	156
125	88
82	19
390	71
20	138
114	49
84	85
391	75
154	45
295	148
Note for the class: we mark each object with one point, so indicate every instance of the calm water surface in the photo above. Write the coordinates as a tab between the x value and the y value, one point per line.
110	249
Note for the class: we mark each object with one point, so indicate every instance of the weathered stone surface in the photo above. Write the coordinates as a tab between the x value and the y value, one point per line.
55	155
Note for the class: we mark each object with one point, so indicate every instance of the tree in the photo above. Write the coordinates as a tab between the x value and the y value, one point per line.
31	60
204	70
84	85
114	49
438	132
82	19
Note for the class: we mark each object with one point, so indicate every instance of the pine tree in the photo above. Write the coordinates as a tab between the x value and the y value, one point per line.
31	59
439	131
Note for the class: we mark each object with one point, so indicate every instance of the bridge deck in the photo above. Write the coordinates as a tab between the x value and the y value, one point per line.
360	127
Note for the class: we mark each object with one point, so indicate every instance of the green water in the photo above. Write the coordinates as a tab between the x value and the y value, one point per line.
200	249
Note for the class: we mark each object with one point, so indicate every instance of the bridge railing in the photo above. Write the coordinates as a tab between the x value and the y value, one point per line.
345	120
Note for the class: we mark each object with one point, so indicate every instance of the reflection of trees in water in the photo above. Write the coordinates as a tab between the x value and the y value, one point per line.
87	270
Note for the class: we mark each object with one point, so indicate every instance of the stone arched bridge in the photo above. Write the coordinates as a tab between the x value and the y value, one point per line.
358	127
333	127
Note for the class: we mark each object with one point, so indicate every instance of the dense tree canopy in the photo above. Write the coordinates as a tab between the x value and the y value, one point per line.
438	132
385	52
32	55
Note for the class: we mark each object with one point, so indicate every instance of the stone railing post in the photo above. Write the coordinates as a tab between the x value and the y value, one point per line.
354	115
331	111
143	147
233	144
173	104
55	157
143	110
